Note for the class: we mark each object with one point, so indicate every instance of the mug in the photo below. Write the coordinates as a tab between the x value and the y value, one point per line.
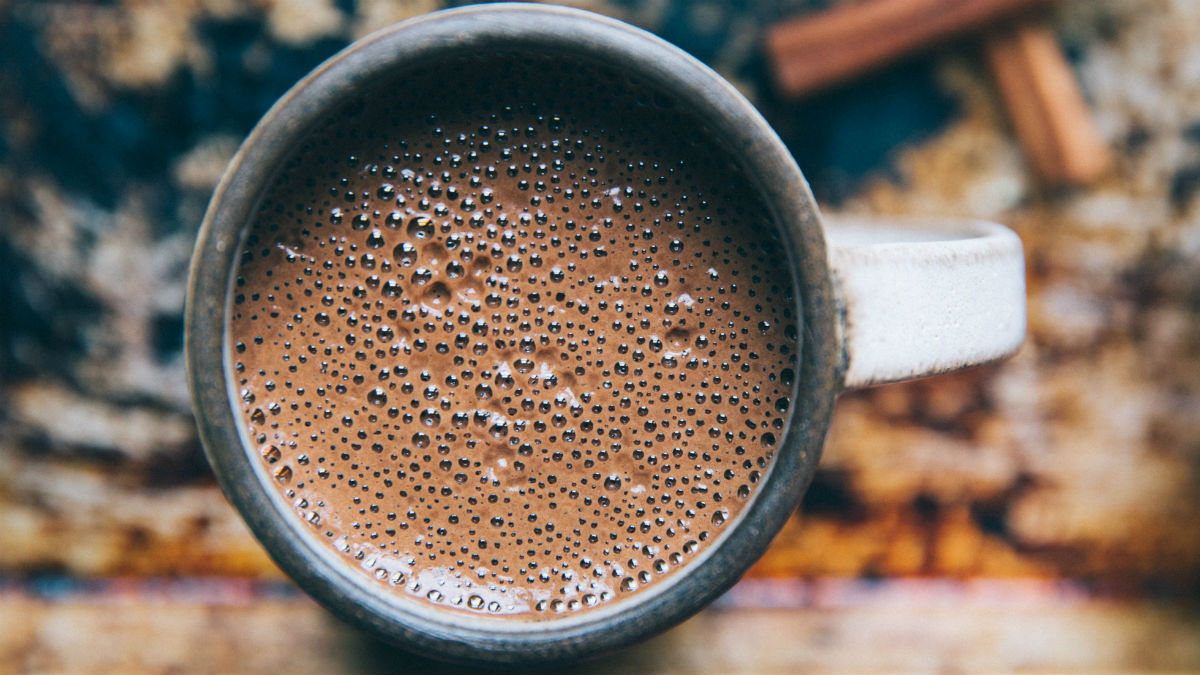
875	303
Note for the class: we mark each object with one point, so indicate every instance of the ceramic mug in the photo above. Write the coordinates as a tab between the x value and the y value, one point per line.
876	303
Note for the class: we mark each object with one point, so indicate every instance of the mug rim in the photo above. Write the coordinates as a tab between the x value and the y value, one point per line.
577	33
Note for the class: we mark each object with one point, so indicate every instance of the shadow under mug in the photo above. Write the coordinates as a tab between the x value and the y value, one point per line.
882	303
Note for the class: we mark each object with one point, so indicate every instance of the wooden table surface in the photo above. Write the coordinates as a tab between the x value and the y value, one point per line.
762	626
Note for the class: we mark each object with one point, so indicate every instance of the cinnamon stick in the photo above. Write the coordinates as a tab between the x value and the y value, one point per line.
816	50
1045	104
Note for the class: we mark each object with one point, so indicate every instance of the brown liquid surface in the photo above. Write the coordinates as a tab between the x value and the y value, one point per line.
520	356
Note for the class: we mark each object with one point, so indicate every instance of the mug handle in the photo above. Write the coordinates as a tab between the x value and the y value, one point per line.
923	297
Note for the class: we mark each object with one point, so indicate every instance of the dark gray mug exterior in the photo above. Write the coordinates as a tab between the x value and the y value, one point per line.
729	118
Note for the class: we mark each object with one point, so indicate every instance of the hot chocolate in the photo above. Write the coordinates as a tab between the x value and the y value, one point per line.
518	342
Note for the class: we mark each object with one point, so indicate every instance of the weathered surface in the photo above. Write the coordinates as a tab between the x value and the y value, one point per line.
979	627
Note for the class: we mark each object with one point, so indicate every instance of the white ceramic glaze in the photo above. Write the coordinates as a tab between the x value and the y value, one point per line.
922	297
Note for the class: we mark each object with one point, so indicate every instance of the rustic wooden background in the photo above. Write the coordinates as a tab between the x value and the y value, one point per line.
1042	514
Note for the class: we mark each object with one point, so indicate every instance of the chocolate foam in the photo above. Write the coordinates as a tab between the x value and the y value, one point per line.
521	354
